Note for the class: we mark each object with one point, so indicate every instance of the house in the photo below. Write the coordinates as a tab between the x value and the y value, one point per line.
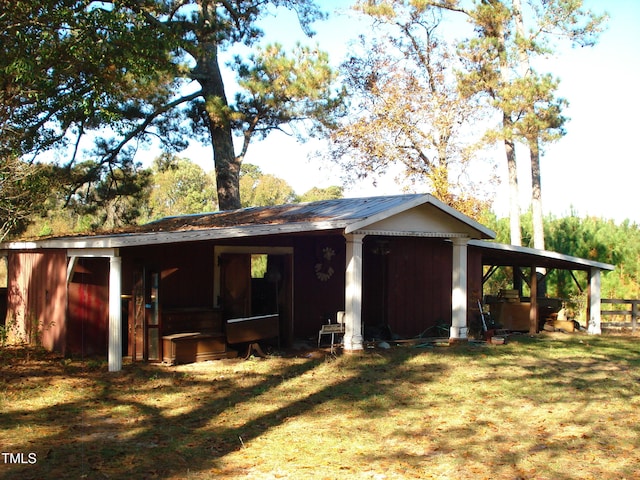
197	286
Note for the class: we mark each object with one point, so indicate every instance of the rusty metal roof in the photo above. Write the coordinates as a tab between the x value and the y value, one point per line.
346	215
339	212
343	215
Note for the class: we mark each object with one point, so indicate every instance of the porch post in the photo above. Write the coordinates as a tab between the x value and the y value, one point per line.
353	294
115	313
593	327
533	306
459	290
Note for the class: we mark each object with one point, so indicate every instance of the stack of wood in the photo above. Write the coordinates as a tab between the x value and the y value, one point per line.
511	296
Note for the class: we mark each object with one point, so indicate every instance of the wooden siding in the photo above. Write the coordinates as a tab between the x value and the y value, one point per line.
407	283
318	295
36	298
186	272
88	307
474	287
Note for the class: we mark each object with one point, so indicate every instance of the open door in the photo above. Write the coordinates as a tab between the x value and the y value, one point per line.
145	319
153	319
235	279
258	283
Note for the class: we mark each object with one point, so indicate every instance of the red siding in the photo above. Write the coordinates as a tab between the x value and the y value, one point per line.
36	298
88	312
186	272
317	295
407	283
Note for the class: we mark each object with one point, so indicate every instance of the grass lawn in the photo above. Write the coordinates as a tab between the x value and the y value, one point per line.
551	407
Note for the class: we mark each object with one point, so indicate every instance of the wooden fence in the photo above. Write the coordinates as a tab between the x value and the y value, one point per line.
633	312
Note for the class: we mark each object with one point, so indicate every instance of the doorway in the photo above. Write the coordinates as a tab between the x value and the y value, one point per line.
253	281
144	320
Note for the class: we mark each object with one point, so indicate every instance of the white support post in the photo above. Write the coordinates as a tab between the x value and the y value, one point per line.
115	313
353	339
595	297
459	290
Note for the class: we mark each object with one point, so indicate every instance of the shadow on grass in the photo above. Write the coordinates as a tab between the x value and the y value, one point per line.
82	438
122	426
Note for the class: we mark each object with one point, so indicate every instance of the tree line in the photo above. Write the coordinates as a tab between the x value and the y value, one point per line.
102	80
171	186
86	85
593	238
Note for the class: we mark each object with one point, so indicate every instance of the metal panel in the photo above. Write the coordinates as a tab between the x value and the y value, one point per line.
340	214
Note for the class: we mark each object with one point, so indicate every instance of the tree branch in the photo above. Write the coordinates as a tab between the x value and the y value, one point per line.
113	152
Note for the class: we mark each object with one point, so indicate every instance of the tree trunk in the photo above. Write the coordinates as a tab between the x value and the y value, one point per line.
510	150
227	165
536	196
514	210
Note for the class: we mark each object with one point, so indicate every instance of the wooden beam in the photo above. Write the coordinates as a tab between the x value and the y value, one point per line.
576	281
488	275
533	310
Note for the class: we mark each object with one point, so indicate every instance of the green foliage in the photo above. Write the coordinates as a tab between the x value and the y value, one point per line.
258	189
179	186
499	60
591	238
23	190
113	72
279	88
329	193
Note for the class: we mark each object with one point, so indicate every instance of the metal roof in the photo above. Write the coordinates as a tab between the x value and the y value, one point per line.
348	215
499	254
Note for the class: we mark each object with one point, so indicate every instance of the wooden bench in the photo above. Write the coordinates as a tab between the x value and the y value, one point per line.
253	329
193	335
193	347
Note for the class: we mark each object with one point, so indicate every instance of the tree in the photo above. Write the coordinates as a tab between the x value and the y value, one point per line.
533	102
316	194
407	110
68	67
23	191
179	186
139	70
259	189
499	59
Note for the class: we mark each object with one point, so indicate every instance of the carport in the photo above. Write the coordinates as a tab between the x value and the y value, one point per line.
540	263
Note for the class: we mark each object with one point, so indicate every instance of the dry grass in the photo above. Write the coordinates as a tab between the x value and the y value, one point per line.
552	407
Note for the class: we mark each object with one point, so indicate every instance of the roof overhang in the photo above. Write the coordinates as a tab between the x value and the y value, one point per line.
123	240
499	254
403	215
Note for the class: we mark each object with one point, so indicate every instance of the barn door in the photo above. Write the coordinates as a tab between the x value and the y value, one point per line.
235	280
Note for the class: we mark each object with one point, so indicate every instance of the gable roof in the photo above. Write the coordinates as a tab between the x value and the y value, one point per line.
412	215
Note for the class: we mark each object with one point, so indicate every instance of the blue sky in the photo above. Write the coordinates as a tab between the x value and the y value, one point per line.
593	170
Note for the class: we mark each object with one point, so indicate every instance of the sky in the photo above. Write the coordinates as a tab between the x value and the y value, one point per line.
594	170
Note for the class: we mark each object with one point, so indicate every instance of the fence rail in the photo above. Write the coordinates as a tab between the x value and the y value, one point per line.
634	312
